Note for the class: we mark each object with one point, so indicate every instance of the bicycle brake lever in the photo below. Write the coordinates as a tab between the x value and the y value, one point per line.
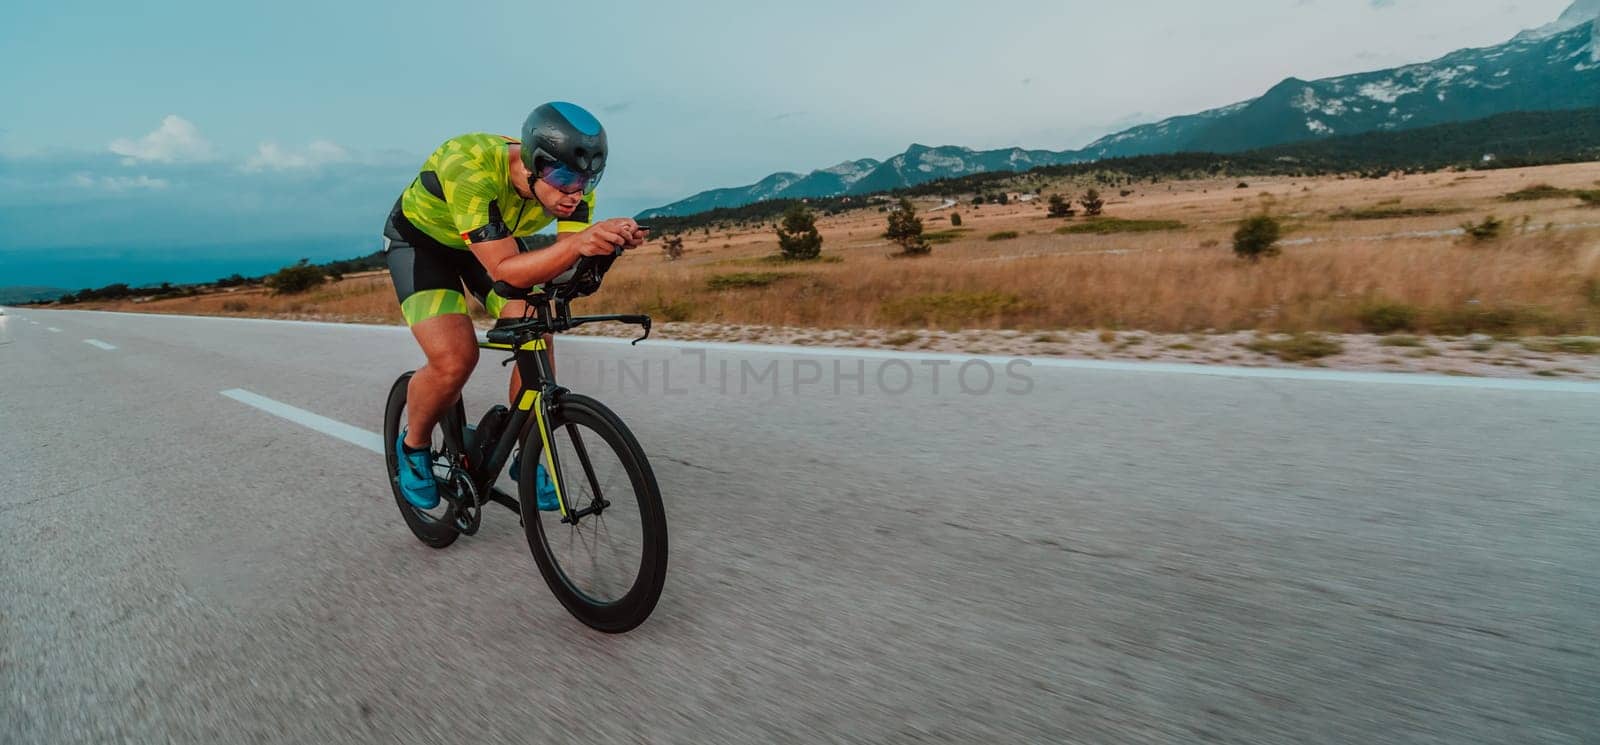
509	360
646	326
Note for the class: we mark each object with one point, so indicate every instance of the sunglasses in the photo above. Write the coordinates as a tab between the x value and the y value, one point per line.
566	180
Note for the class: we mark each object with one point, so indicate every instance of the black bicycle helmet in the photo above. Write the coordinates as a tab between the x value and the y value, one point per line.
566	134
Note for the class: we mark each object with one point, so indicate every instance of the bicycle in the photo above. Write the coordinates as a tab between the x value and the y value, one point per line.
615	598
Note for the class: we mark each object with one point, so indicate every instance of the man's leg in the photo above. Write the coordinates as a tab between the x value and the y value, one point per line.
515	309
451	346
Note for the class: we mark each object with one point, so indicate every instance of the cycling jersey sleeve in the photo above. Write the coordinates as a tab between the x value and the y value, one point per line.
471	193
580	218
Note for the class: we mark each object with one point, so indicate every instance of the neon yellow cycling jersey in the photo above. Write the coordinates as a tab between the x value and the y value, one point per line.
464	195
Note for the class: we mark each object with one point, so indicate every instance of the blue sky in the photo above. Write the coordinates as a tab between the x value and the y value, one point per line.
192	134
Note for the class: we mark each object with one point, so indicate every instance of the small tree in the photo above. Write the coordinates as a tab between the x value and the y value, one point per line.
1487	230
1257	236
955	219
905	228
672	246
1001	198
298	278
1061	207
977	199
1092	203
798	238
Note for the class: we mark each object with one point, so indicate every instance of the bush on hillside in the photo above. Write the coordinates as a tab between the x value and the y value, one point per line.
1257	237
798	238
297	278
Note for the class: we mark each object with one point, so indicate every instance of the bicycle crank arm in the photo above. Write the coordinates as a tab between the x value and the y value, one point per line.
504	500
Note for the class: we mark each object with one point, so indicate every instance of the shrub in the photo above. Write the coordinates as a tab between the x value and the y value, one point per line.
1487	230
1476	319
1003	235
1590	197
1109	225
1400	340
1092	203
1257	237
1573	345
744	280
1060	207
1388	213
1242	185
798	238
951	308
1536	192
235	306
292	280
944	236
1296	348
672	247
1383	317
905	229
955	219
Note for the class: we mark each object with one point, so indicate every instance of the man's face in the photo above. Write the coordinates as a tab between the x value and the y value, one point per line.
555	201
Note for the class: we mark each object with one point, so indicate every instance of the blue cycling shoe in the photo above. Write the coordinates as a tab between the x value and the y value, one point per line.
545	490
416	476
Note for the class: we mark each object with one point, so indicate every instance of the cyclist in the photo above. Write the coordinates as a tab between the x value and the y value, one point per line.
461	222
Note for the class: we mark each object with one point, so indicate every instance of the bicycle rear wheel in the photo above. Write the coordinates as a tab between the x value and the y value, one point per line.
434	527
608	567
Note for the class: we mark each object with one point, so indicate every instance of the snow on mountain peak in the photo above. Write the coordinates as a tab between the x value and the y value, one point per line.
1579	13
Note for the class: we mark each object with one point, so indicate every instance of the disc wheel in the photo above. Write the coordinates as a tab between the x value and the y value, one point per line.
607	568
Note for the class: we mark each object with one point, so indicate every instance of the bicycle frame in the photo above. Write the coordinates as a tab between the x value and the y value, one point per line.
537	397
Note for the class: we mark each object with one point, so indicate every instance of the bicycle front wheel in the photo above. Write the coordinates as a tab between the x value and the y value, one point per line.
606	567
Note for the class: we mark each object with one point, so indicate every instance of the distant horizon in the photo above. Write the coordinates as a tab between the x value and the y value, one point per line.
138	266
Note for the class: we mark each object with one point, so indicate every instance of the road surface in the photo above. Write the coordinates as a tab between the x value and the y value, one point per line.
1116	554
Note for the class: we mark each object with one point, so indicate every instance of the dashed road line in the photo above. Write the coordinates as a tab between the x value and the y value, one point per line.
100	344
330	427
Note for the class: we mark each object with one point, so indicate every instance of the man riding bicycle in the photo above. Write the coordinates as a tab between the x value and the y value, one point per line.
461	222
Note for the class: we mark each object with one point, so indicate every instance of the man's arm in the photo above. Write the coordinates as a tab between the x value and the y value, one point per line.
505	264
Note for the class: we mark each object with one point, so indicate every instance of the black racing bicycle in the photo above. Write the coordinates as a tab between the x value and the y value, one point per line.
603	552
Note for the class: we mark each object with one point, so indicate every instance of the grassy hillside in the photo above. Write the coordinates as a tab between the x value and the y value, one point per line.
1515	140
1377	255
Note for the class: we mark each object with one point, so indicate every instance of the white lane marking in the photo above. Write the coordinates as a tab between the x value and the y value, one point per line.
1170	368
231	319
330	427
54	329
100	344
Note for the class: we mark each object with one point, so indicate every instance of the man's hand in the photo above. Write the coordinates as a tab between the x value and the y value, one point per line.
605	237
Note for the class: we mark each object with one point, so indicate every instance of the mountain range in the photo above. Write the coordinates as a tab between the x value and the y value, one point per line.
1555	66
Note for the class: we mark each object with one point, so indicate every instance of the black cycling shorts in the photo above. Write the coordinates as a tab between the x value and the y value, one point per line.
429	276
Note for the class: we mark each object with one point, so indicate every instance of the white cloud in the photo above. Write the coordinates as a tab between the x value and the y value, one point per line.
272	157
118	183
176	140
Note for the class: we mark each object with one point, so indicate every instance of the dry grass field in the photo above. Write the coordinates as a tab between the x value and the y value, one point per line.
1379	256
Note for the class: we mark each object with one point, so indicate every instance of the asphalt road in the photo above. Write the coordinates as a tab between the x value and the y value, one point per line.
1119	555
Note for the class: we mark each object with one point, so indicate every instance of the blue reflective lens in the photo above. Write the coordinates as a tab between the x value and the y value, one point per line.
568	180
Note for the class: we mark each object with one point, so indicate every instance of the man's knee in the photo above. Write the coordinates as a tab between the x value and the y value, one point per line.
455	364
